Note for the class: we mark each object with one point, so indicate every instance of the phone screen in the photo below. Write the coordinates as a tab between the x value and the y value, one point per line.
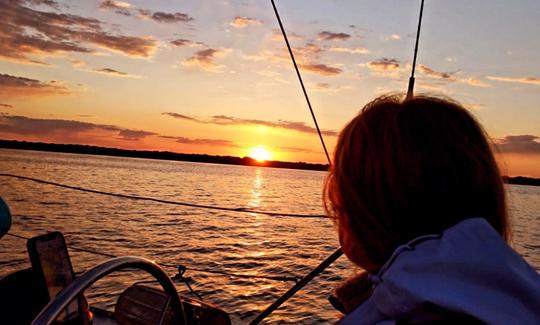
56	268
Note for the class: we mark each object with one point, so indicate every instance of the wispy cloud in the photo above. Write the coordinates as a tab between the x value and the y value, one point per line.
204	59
475	82
354	50
230	120
331	36
120	7
207	142
181	116
322	69
115	73
112	4
22	125
13	86
292	36
243	22
6	105
166	17
521	80
297	150
384	65
324	87
180	42
427	71
86	132
523	144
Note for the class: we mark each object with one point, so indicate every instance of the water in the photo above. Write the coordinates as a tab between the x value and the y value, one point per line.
228	241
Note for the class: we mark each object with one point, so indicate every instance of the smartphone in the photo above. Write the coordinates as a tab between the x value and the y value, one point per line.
50	260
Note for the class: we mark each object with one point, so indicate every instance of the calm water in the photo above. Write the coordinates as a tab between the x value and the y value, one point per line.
228	241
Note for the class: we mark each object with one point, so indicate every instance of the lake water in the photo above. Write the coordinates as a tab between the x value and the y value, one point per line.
217	240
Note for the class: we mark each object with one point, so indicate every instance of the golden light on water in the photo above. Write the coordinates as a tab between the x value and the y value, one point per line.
260	153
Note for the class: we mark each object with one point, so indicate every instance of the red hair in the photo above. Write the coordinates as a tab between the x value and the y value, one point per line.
406	168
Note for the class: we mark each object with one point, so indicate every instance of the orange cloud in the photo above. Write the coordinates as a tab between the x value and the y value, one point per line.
230	120
119	7
204	59
27	32
425	70
475	82
112	4
522	80
321	69
13	86
384	65
242	22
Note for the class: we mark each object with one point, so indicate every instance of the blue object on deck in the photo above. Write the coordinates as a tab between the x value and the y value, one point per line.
5	218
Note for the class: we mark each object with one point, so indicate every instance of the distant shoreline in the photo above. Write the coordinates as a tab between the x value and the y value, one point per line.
161	155
203	158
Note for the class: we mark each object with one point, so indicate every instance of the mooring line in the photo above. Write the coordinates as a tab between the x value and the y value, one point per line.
143	198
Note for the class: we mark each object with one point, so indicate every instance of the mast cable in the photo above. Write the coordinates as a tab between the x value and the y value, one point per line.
338	252
410	89
301	82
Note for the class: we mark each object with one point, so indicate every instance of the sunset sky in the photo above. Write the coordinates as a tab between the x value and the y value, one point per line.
214	76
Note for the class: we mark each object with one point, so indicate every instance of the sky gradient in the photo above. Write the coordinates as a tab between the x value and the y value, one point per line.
214	76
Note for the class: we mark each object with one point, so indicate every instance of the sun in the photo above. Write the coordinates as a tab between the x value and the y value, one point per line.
260	154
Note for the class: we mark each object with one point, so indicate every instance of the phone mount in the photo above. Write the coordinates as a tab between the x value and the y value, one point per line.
5	218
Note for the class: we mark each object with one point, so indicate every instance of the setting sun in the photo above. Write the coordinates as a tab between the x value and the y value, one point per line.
260	154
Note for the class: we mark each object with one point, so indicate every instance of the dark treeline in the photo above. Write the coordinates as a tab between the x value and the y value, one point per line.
164	155
521	180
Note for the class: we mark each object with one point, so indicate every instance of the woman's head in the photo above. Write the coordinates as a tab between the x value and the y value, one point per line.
408	168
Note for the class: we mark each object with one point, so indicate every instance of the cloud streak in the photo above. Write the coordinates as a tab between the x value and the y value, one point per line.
521	80
180	42
355	50
230	120
114	73
521	144
321	69
207	142
427	71
13	86
27	126
166	17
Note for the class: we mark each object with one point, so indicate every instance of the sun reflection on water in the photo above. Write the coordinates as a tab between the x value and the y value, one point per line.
256	190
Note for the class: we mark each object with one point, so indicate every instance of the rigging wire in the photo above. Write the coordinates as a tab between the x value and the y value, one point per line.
177	266
410	90
301	82
143	198
338	252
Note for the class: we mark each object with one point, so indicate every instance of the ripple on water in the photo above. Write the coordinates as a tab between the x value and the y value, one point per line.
208	240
